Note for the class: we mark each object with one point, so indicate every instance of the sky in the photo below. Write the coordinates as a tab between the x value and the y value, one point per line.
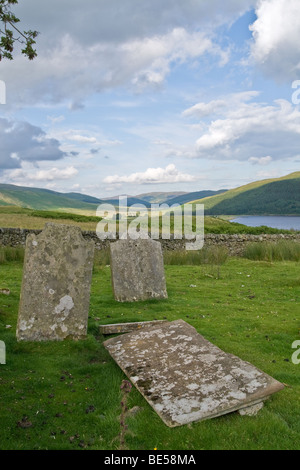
138	96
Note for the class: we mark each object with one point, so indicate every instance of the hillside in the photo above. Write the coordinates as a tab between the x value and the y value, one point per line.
160	197
130	201
189	197
280	196
42	199
45	199
84	198
277	196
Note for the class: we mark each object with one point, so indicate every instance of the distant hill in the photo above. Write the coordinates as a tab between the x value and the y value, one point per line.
267	197
130	201
176	197
46	199
43	199
189	197
160	197
84	198
277	196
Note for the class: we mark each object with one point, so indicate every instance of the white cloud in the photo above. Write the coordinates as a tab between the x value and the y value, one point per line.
250	131
78	70
170	174
201	110
82	139
56	119
219	106
51	174
85	137
276	34
154	56
118	21
261	161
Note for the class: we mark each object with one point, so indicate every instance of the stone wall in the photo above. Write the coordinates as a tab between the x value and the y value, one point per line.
235	243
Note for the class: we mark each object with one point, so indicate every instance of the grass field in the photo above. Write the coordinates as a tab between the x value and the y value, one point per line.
66	395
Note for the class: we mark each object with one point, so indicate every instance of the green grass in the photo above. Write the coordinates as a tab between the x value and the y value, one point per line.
8	253
284	250
65	215
68	393
18	217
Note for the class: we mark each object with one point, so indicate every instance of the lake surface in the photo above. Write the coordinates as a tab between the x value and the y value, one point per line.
277	221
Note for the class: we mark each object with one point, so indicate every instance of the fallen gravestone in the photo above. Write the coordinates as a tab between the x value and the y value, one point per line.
55	291
185	378
137	270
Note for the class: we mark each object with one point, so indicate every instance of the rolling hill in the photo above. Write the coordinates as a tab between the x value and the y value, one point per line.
160	197
43	199
277	196
188	197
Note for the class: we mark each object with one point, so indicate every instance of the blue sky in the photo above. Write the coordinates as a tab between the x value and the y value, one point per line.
131	96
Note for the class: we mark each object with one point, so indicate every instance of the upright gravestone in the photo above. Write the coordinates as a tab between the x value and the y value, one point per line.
137	270
55	292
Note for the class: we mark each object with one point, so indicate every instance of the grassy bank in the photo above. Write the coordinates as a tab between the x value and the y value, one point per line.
18	217
66	395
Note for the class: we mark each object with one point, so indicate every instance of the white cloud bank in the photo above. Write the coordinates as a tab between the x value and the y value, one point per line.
53	174
276	34
170	174
78	70
243	129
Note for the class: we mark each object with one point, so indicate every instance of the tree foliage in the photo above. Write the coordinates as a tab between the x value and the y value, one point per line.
11	34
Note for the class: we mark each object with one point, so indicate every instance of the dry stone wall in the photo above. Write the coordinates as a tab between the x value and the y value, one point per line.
235	243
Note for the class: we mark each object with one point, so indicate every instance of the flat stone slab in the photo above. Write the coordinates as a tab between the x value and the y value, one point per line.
114	328
55	293
184	377
137	270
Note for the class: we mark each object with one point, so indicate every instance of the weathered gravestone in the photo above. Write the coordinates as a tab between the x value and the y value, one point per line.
137	270
55	292
186	378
